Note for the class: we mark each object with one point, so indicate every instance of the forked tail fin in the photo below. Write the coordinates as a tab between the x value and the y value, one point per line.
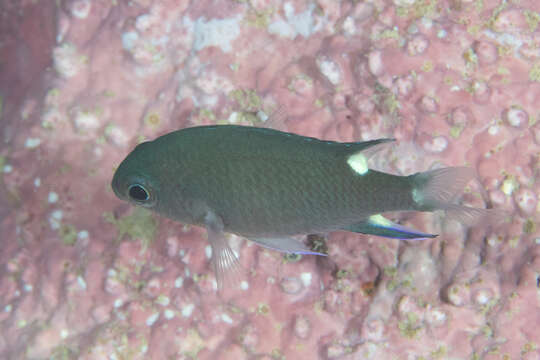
438	190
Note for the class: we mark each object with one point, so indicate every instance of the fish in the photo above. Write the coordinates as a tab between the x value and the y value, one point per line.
274	187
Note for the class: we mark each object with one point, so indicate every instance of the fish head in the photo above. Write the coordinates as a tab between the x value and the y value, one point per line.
136	179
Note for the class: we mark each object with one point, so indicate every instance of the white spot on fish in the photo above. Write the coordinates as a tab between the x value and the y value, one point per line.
8	308
417	196
244	285
8	168
83	234
188	310
179	282
118	303
358	163
37	182
64	333
28	287
208	251
380	220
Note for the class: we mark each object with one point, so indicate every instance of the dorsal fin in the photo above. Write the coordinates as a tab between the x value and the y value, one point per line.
368	148
358	154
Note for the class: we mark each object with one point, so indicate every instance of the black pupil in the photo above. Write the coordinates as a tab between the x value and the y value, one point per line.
137	192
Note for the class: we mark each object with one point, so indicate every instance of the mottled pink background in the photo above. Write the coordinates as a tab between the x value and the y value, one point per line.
83	276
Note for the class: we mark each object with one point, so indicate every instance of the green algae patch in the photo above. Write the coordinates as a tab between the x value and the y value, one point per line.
426	8
140	224
440	353
386	99
2	164
152	119
386	34
470	57
68	234
291	258
263	309
410	326
64	352
206	115
243	117
277	355
259	19
317	243
534	73
248	99
13	196
192	344
532	18
427	66
419	9
529	227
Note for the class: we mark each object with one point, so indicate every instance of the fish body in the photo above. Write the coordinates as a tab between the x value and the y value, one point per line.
269	185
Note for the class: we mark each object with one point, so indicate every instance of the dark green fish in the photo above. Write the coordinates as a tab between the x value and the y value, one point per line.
269	186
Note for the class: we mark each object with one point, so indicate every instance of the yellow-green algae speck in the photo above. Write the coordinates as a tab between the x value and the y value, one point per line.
140	224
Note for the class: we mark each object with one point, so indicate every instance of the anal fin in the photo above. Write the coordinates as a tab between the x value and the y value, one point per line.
381	226
289	245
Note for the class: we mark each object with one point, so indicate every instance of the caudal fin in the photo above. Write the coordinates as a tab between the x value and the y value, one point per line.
438	190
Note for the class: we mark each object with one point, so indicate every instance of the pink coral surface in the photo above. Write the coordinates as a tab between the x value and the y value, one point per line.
86	276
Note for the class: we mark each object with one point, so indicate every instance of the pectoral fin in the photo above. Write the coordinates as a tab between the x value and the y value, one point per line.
381	226
285	244
224	261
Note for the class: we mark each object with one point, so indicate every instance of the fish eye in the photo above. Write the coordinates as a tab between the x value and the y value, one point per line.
138	193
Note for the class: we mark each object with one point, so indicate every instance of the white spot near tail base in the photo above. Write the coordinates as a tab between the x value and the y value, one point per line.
380	220
358	162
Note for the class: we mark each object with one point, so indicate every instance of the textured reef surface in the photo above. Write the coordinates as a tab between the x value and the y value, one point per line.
86	276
